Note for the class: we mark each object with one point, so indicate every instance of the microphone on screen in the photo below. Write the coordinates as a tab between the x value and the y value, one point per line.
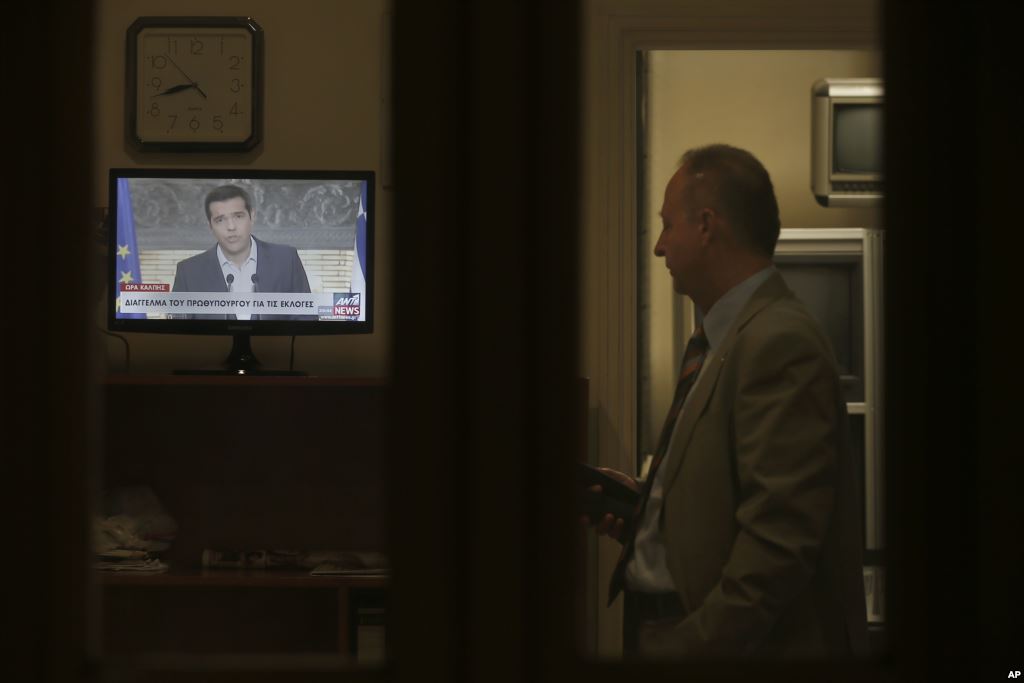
255	281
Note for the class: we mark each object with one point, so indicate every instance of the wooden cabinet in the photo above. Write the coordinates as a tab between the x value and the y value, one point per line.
246	463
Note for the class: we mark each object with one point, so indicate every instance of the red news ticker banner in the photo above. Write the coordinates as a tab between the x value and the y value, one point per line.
143	287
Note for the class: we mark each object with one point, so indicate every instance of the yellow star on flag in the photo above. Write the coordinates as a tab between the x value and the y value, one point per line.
122	250
126	276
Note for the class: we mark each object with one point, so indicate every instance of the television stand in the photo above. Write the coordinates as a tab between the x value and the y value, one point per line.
241	361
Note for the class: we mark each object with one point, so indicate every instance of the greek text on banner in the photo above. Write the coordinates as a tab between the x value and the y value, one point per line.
224	302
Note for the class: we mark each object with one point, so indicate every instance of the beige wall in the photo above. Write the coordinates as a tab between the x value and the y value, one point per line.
756	99
323	104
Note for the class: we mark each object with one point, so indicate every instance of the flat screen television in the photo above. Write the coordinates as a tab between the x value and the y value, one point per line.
240	252
847	152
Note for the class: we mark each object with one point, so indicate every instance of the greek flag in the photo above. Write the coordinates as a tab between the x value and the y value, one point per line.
359	262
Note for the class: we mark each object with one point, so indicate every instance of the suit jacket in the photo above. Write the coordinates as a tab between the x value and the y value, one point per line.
761	515
278	269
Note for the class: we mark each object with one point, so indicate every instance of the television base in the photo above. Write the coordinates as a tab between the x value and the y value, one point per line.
241	373
242	361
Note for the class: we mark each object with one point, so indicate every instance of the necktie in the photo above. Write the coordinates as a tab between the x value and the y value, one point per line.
693	360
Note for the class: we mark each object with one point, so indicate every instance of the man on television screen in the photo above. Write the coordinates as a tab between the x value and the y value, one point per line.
239	262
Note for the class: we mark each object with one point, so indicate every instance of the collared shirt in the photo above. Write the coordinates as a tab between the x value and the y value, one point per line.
647	569
242	281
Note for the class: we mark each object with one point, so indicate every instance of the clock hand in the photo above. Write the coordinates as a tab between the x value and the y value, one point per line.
192	83
175	88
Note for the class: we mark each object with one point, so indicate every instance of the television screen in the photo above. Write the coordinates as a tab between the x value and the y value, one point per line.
857	138
832	293
228	251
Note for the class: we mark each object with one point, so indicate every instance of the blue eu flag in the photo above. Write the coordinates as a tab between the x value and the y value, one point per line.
126	266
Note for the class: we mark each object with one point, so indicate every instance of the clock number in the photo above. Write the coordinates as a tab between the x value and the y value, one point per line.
174	120
234	109
236	85
154	110
172	46
235	61
196	46
156	82
218	124
193	123
158	61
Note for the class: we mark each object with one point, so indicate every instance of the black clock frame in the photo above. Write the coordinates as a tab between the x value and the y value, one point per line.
131	70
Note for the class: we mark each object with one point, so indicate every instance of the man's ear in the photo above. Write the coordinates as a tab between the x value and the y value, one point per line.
709	225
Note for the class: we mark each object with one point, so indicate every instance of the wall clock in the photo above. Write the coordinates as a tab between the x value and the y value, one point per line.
194	84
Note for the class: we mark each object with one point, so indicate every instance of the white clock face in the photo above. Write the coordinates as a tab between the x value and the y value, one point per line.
194	85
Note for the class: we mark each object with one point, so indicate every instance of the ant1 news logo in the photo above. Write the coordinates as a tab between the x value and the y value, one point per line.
347	306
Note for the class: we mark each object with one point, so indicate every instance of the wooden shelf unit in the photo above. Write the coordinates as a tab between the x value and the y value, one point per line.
246	463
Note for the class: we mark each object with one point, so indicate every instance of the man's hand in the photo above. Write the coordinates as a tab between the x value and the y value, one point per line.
611	525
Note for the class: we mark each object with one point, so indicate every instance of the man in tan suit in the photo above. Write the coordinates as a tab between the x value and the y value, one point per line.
748	539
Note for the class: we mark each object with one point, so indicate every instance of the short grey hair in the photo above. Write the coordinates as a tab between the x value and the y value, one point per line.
738	186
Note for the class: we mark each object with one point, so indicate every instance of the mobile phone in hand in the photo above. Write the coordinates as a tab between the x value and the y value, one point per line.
615	497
